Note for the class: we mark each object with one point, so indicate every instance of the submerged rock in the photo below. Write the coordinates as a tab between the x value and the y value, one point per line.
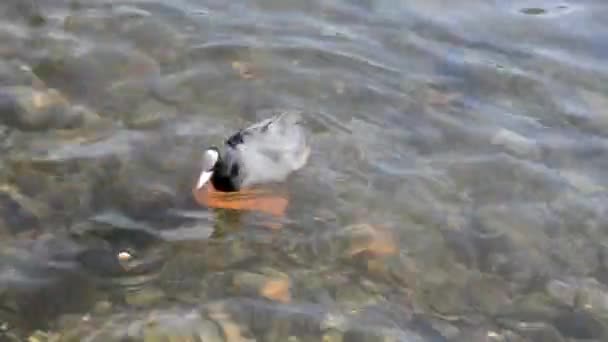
41	276
89	75
517	144
61	185
355	241
90	21
366	238
352	297
102	307
14	73
143	199
597	113
19	213
502	178
149	115
175	325
12	40
448	300
145	297
137	190
123	98
489	295
562	292
333	335
273	288
585	293
158	39
29	109
580	324
581	182
148	33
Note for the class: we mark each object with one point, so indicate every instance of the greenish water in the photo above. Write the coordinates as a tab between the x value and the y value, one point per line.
456	189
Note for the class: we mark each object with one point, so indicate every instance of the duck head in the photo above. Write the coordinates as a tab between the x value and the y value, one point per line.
220	169
211	158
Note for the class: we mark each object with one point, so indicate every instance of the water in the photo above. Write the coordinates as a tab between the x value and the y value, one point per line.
455	190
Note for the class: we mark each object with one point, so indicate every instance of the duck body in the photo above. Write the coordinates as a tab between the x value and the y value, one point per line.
265	152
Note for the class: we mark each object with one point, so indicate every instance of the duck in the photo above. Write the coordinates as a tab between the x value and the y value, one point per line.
265	152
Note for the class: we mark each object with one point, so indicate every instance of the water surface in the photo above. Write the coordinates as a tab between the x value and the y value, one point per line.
455	190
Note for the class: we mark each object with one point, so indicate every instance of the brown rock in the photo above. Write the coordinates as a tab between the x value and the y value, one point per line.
375	241
273	288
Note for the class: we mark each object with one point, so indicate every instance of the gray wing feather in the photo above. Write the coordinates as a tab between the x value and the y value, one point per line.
273	148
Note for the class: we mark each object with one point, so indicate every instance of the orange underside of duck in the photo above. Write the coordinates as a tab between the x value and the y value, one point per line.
253	199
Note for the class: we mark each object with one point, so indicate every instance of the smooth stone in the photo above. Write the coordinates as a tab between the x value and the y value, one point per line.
509	226
581	182
126	11
516	144
18	212
352	297
140	196
145	297
12	40
122	99
597	105
561	291
447	300
499	178
89	117
14	73
149	115
368	239
102	307
447	330
333	336
29	109
485	334
42	336
361	334
179	88
273	288
208	331
154	334
94	75
489	294
156	38
90	21
580	325
581	293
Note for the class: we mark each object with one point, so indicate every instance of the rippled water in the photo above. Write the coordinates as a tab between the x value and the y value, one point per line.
455	190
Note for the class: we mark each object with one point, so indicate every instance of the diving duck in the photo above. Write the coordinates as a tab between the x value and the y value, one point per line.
265	152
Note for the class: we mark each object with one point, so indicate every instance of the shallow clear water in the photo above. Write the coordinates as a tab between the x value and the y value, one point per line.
455	190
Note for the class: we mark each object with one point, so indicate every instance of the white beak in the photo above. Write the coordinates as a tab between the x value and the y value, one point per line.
203	178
